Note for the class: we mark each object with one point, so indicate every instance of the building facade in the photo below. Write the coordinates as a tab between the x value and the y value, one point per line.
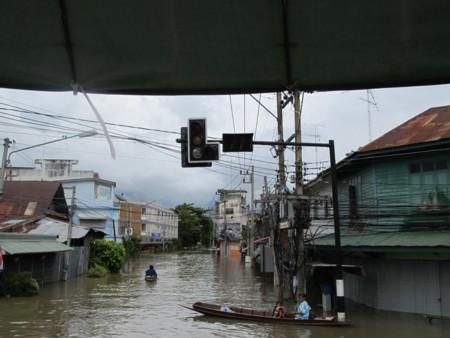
394	205
231	216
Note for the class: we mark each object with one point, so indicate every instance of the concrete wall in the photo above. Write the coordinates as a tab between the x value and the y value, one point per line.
415	286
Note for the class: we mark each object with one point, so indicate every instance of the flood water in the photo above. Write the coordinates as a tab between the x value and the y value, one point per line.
126	306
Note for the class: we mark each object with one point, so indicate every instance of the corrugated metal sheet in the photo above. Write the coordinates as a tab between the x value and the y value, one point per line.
31	199
58	229
389	239
431	125
91	215
14	244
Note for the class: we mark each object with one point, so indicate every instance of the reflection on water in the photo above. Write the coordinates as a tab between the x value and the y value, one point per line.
127	306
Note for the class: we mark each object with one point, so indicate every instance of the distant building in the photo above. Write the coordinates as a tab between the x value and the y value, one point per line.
153	224
394	205
231	215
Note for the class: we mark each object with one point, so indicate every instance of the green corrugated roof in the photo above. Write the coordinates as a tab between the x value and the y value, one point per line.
14	244
437	238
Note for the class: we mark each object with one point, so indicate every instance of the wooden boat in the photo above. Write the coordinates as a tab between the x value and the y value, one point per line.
260	315
150	278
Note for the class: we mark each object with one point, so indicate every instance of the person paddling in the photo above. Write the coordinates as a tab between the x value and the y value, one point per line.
151	272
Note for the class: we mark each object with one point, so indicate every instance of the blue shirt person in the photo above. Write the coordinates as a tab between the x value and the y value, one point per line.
151	272
303	308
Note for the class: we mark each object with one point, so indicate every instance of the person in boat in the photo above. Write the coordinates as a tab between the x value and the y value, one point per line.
225	308
278	311
151	272
303	308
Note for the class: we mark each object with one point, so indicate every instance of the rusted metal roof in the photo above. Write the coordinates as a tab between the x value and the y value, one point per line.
431	125
29	199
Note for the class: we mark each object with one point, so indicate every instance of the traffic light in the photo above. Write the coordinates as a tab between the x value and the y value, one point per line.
199	149
184	152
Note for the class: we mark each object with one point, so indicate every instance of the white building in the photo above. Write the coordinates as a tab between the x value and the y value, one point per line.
231	215
159	222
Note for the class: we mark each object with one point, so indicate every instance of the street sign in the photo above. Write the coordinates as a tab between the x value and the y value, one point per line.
237	142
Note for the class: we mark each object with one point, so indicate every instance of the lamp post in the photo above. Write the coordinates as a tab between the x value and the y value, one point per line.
6	159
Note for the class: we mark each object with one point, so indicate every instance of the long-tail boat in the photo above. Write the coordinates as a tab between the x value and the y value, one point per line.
236	312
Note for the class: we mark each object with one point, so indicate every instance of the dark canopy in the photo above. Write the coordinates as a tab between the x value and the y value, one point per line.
222	46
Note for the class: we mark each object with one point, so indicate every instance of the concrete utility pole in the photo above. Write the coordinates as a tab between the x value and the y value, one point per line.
281	184
299	192
280	150
66	267
3	169
251	245
251	219
225	236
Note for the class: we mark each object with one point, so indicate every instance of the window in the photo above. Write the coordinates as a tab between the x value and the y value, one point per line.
428	166
229	211
414	168
441	165
353	202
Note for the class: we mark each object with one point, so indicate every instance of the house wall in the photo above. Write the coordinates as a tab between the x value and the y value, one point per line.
129	217
95	199
158	220
44	267
415	286
397	192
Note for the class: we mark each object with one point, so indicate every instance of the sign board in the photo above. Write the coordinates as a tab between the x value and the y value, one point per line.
156	235
237	142
284	225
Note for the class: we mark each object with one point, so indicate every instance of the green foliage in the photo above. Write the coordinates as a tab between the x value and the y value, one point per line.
132	246
97	271
108	254
18	285
193	226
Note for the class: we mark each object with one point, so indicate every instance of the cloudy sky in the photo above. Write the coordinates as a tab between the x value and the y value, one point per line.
152	170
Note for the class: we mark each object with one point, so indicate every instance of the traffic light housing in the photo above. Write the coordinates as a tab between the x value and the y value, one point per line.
184	151
199	149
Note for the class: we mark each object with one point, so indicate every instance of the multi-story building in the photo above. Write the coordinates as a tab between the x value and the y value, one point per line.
231	215
147	220
394	203
159	222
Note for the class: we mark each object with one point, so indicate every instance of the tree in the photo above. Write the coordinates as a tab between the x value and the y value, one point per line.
193	225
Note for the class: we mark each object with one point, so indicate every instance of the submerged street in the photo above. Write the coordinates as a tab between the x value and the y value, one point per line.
127	306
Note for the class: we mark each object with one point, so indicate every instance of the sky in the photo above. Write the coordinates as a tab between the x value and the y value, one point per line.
150	169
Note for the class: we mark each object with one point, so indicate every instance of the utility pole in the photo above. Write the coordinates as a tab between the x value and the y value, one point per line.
225	236
251	218
65	275
299	192
277	279
6	144
252	211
